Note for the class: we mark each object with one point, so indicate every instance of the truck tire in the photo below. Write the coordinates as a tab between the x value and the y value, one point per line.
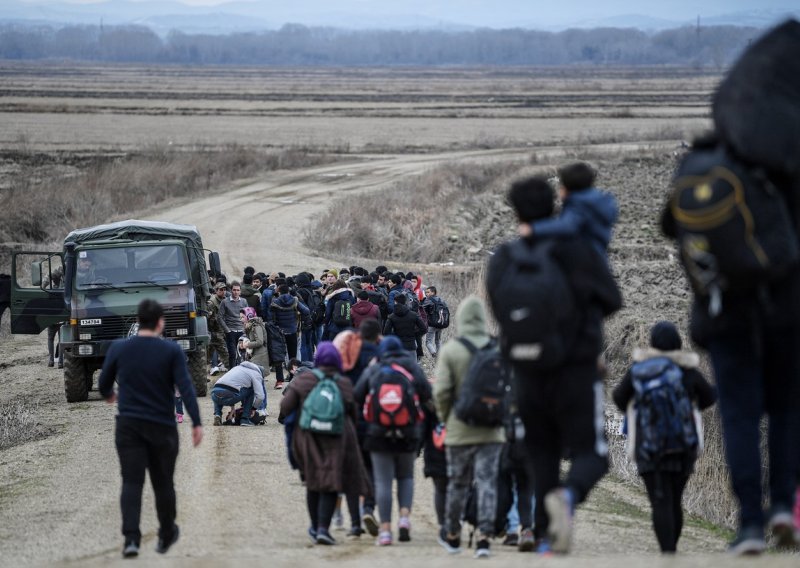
199	371
77	378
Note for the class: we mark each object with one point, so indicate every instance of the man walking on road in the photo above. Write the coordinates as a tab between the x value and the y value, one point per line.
147	370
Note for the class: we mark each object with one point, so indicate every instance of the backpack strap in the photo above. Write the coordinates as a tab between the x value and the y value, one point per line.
403	371
468	344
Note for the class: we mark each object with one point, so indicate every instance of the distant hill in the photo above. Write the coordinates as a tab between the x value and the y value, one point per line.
447	15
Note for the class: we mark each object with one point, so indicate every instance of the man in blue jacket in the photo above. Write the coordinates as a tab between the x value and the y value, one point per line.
148	369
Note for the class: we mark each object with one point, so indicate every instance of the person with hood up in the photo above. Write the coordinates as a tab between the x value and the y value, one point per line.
586	211
363	309
472	451
405	324
393	450
309	296
254	342
330	465
338	292
666	478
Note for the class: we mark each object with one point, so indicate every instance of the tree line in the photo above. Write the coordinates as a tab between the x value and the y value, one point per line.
295	44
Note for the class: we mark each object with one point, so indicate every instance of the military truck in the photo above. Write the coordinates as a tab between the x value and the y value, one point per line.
107	270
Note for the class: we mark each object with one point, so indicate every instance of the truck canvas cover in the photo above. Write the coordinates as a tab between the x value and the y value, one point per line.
134	230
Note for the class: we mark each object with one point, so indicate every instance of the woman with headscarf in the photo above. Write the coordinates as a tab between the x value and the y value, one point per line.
329	464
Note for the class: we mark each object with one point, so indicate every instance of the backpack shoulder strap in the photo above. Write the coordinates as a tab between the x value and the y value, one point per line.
468	344
403	371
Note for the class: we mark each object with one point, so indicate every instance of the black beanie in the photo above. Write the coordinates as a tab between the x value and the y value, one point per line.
665	337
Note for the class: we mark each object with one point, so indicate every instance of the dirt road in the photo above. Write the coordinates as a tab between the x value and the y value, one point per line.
238	500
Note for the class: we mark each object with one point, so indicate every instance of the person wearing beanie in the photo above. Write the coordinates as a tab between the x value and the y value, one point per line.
664	477
330	465
392	455
363	309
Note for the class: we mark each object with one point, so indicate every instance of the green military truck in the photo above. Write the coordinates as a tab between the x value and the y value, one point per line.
93	286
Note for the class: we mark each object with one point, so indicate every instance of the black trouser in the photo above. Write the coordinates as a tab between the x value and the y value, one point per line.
320	508
665	490
291	345
564	415
143	445
440	498
52	333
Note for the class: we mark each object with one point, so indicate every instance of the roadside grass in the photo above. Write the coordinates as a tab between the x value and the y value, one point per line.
19	424
44	210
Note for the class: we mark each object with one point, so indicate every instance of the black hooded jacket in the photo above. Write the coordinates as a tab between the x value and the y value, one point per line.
406	325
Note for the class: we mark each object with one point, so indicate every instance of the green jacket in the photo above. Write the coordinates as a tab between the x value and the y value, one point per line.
451	369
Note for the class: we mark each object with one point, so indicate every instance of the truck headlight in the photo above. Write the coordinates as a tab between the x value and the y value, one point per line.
185	344
182	331
86	337
85	349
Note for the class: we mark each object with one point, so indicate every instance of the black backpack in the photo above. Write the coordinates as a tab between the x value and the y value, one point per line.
440	315
341	314
412	302
536	308
483	400
731	223
379	300
315	305
664	414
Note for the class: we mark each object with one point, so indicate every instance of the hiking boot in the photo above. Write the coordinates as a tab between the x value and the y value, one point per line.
542	547
526	541
781	525
217	420
130	550
749	541
164	544
279	385
451	545
560	506
179	418
370	523
51	363
355	533
482	548
312	532
384	539
404	528
324	538
60	365
511	539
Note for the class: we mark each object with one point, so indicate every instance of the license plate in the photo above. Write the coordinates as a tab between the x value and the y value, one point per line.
91	322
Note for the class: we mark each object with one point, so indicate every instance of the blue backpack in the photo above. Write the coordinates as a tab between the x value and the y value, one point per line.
664	414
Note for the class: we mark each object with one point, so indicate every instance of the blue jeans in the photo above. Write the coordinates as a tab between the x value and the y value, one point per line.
759	373
307	345
223	397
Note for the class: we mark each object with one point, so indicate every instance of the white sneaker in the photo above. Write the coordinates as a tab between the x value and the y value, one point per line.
262	412
214	370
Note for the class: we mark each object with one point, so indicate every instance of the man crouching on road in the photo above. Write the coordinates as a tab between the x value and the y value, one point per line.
244	383
147	370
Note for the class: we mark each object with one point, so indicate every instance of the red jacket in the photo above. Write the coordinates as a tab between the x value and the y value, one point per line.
364	309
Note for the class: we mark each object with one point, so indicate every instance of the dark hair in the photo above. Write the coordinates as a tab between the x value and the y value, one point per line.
294	363
381	269
261	276
236	283
577	176
400	299
366	279
283	289
433	289
396	279
247	278
338	285
281	275
363	295
370	330
665	337
249	270
532	198
280	281
148	313
410	276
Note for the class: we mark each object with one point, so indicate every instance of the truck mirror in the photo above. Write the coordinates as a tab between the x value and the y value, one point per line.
36	274
213	264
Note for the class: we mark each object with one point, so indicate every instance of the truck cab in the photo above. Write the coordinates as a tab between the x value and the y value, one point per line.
92	289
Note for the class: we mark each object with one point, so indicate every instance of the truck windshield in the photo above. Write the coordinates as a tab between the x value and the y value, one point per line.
121	267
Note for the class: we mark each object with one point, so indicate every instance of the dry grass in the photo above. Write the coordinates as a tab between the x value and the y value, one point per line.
19	424
44	210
